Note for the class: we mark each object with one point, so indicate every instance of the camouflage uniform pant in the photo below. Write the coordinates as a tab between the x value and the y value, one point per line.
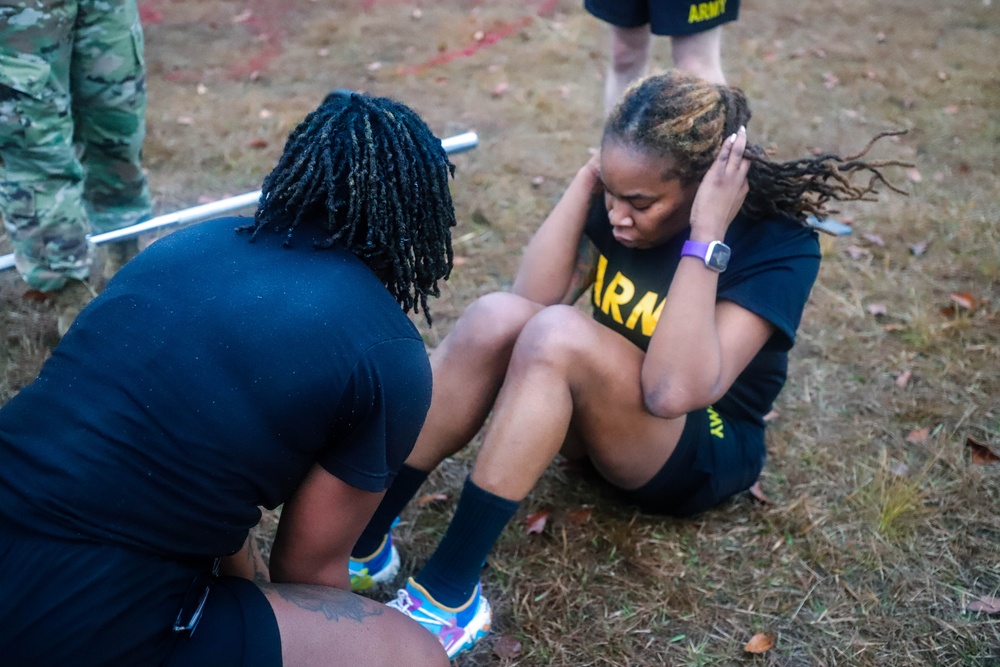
72	123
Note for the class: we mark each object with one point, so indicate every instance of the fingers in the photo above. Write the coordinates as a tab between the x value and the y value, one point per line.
731	153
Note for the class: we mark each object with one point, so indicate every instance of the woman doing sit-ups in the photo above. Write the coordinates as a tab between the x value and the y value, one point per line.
694	246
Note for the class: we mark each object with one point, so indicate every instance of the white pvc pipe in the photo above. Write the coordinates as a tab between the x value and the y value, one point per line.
455	144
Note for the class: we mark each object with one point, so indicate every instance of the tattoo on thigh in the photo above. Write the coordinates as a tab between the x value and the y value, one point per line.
334	604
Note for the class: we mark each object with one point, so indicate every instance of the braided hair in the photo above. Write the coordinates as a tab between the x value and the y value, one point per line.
370	172
685	118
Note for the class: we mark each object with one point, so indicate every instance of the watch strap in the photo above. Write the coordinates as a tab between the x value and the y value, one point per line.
694	249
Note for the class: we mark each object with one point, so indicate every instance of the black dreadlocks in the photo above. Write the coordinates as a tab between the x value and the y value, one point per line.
686	118
373	175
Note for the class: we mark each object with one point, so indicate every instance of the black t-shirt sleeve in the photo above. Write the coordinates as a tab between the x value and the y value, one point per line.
379	414
771	274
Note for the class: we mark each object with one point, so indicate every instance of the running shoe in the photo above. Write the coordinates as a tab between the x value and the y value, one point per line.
378	568
458	629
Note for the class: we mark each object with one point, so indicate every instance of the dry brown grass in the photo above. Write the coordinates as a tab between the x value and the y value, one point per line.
874	543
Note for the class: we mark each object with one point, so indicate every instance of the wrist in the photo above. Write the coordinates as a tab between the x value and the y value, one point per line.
707	233
588	176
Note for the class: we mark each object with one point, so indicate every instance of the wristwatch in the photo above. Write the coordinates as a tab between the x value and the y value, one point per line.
715	254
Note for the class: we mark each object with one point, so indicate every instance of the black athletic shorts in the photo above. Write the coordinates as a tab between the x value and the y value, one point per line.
715	459
665	17
65	602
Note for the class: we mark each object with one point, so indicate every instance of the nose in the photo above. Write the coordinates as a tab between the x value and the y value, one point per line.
620	214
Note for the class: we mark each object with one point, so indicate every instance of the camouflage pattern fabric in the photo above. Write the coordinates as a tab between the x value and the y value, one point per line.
72	123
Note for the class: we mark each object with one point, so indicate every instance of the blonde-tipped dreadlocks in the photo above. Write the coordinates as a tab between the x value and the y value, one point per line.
686	118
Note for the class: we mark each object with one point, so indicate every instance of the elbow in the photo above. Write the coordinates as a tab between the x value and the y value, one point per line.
668	399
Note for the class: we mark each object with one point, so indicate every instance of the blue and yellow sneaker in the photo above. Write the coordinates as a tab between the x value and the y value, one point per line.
378	568
458	629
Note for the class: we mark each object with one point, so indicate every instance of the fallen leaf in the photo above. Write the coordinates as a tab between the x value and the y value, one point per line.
951	109
771	416
36	295
257	143
894	326
914	174
963	299
949	311
903	379
876	309
874	238
581	515
499	89
761	642
986	604
506	647
918	436
185	120
432	498
459	261
535	523
919	249
537	181
981	452
758	493
830	80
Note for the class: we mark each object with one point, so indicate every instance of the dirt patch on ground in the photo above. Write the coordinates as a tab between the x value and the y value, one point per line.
881	528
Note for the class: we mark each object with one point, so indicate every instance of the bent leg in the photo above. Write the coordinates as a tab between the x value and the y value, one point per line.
569	375
629	58
700	54
469	367
327	626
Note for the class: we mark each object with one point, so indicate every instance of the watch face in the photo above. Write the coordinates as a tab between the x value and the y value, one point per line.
718	256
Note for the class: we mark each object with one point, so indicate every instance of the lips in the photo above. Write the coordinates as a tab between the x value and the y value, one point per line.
626	241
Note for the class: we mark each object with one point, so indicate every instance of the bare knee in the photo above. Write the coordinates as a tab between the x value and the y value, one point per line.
700	54
492	322
629	48
417	646
557	335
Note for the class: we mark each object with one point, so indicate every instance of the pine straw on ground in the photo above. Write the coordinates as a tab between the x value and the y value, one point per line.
880	529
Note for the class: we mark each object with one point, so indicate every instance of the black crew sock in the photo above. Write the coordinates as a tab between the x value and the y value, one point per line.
452	572
404	487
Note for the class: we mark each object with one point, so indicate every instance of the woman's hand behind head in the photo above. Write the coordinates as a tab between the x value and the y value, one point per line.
722	190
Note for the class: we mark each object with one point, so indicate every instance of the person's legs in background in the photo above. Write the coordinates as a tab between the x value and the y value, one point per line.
41	179
109	103
700	54
629	61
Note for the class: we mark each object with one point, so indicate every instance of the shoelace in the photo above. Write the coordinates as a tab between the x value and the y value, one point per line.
403	604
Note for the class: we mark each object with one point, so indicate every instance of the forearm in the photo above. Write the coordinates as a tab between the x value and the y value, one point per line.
683	368
330	571
247	563
549	262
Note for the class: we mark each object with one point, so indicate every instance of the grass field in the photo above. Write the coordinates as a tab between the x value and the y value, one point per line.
878	535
